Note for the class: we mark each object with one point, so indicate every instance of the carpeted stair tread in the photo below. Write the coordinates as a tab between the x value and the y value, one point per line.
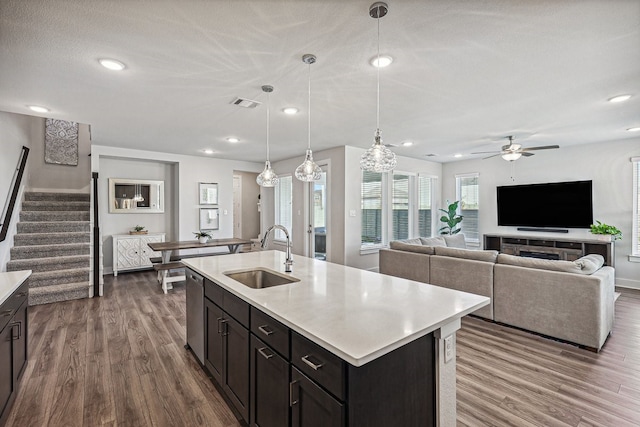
53	226
57	277
48	264
51	205
55	293
39	196
31	239
27	216
45	251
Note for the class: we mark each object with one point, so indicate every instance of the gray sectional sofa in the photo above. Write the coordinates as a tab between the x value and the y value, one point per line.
568	300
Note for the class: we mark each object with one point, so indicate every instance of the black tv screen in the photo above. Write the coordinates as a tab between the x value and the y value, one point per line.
556	204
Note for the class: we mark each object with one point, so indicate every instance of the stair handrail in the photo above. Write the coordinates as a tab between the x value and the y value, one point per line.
96	237
12	196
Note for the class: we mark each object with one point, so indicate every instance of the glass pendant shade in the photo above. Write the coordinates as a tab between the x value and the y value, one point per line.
378	158
267	177
308	171
510	157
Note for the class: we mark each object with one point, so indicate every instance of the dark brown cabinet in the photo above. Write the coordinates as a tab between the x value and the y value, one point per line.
311	406
13	346
269	386
227	349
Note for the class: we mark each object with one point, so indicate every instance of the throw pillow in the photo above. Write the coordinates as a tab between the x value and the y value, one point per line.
456	241
401	246
487	256
590	263
433	241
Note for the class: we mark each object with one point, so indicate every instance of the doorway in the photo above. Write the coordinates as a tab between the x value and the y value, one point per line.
237	206
319	217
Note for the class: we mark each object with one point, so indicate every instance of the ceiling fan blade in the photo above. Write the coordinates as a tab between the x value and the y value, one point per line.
525	154
485	158
487	152
542	147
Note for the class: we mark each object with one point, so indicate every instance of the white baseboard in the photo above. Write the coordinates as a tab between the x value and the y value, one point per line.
628	283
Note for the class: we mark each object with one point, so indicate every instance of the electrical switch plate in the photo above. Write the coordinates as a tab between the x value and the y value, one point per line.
225	212
352	212
448	348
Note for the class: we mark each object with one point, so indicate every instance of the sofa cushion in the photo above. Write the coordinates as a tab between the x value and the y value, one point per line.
433	241
487	256
581	266
415	241
401	246
590	263
456	241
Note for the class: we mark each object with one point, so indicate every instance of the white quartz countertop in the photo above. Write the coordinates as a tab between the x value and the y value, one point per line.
356	314
10	281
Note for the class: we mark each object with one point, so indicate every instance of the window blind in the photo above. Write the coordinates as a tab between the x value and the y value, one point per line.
371	207
400	206
468	192
424	206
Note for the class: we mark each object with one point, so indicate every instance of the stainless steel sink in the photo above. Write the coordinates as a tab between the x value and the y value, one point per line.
259	278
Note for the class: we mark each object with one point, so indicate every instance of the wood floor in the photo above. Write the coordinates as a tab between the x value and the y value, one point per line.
119	361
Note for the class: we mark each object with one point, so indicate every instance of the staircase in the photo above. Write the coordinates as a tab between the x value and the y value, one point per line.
53	240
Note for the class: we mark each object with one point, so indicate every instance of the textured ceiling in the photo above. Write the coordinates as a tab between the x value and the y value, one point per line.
464	73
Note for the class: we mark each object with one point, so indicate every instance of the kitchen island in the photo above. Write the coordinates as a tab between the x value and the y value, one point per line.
355	347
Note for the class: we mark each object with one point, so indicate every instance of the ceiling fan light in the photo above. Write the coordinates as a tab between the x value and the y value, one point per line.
510	157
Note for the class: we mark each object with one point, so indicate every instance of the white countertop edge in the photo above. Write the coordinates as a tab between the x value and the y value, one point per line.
353	360
10	281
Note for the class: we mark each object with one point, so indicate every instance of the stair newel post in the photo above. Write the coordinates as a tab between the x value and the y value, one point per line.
96	237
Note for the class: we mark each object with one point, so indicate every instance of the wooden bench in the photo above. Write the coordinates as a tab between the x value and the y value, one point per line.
163	274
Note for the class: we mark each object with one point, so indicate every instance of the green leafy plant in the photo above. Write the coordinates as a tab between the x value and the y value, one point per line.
450	218
201	233
138	228
600	228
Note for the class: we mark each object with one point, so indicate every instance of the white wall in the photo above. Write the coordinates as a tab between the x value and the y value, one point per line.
606	164
16	132
188	171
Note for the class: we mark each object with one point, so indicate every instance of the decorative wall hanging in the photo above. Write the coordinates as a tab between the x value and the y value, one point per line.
208	192
61	142
209	219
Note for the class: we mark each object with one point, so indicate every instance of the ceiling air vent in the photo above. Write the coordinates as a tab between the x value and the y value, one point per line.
430	155
246	103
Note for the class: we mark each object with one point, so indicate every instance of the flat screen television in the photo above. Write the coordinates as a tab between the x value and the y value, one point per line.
555	204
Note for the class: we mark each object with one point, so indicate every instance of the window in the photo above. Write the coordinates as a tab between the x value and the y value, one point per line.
371	206
284	213
467	191
635	244
395	206
400	206
424	205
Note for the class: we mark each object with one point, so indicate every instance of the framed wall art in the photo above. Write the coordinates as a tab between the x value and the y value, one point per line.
209	219
208	193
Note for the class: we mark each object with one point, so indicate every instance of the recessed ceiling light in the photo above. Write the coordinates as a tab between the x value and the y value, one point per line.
637	129
457	155
233	139
112	64
619	98
407	144
38	109
207	151
385	61
290	110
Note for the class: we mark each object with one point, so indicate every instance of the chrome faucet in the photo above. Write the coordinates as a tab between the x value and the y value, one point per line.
289	261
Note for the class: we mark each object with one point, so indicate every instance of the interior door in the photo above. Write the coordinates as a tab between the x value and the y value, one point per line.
318	228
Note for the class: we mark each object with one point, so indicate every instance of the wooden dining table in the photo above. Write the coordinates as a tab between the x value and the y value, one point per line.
167	248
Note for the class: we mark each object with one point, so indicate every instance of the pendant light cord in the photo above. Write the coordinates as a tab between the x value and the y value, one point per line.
378	67
309	112
268	108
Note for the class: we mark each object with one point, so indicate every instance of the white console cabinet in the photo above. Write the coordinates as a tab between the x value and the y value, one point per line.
131	252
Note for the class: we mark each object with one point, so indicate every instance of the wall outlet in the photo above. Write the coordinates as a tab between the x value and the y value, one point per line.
448	348
224	212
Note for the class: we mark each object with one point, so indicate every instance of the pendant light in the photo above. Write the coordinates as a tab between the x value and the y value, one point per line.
308	171
267	177
378	158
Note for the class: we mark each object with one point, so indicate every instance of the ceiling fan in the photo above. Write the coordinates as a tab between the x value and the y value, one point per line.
512	151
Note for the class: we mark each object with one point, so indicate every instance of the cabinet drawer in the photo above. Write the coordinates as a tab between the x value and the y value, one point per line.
569	245
320	365
269	330
17	298
237	308
213	292
545	243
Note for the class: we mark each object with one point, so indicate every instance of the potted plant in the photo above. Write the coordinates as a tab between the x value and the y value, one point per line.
138	229
202	236
451	219
611	232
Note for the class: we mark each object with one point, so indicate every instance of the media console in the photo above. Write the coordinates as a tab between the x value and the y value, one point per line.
564	248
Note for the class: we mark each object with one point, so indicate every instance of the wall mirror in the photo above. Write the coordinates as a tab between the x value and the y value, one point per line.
136	196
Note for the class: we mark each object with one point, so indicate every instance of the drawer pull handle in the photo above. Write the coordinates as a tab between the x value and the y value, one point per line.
292	401
265	330
220	322
6	313
309	363
263	352
20	294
